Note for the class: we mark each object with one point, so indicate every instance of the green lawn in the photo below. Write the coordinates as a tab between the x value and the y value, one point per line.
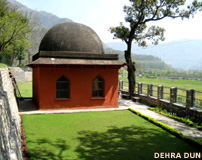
115	135
25	89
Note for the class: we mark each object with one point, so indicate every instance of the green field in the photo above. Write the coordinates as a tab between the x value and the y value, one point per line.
180	83
25	89
98	135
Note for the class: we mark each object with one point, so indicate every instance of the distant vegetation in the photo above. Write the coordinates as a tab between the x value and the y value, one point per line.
171	74
142	62
3	65
168	73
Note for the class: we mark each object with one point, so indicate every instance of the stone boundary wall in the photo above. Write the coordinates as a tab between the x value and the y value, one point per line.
22	74
10	132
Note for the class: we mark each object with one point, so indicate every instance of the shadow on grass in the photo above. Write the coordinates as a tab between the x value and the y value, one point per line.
124	143
128	143
41	152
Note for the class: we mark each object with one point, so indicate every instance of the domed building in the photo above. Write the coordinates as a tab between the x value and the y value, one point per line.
71	70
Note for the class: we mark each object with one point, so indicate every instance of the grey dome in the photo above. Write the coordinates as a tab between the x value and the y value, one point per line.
72	37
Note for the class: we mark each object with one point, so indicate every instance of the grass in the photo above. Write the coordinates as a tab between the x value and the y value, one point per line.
98	135
25	89
180	83
3	65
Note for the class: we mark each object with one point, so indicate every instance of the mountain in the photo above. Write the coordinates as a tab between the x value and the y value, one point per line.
46	20
181	54
49	20
142	61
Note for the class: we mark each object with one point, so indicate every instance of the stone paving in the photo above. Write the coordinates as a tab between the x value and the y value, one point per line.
123	105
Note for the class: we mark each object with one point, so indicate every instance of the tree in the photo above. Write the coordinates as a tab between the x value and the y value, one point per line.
20	55
138	15
14	31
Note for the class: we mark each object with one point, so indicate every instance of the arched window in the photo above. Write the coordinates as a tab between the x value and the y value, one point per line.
98	87
62	88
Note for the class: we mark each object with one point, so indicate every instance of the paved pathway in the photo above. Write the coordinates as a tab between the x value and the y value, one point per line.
123	105
27	106
186	130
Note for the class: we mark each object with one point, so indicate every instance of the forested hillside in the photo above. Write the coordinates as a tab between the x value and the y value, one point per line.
181	54
142	61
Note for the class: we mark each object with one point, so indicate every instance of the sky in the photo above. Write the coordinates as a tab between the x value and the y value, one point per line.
100	15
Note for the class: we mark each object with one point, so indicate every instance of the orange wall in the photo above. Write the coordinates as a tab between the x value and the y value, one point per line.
44	87
35	75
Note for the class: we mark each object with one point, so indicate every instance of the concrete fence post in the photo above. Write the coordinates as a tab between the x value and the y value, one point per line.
160	92
139	88
173	95
190	99
120	85
149	90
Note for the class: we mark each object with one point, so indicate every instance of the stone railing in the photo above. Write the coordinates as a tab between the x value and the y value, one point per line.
10	132
176	100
